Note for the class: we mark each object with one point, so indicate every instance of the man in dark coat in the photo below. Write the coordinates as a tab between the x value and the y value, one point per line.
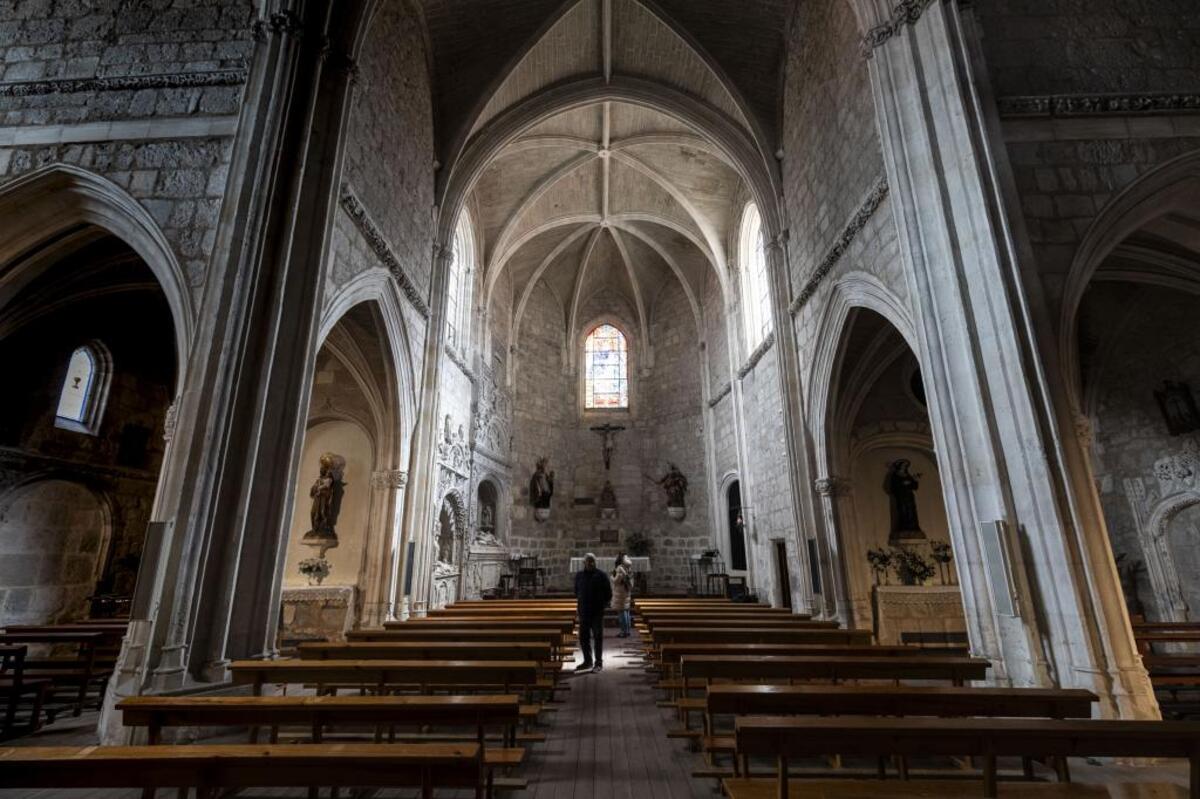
593	592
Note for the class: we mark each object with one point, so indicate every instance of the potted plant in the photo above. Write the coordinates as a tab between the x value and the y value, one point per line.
315	569
881	561
637	545
911	567
942	554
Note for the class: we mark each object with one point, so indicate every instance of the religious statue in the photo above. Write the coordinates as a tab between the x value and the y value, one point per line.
1178	408
326	494
901	485
486	518
608	501
675	485
610	441
541	489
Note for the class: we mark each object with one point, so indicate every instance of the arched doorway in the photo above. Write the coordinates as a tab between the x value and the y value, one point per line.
886	490
735	528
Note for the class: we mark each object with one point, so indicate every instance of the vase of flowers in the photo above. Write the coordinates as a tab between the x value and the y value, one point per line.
911	567
881	561
315	569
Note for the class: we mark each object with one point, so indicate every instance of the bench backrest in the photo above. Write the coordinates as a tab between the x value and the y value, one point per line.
417	650
749	667
852	700
551	636
759	635
671	653
377	672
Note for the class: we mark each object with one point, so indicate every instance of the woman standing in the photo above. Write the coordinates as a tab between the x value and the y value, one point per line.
622	592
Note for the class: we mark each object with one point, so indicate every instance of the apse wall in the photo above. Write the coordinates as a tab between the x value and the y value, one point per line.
664	425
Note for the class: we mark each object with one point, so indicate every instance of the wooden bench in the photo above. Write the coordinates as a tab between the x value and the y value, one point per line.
936	640
388	675
1146	641
213	768
426	650
18	692
873	700
75	674
758	635
786	738
553	637
761	622
564	626
668	655
952	669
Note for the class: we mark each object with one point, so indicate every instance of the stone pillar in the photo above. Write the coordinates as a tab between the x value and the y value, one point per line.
420	511
993	436
383	556
836	508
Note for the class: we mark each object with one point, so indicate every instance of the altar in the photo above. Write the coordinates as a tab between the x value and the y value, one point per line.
933	609
640	564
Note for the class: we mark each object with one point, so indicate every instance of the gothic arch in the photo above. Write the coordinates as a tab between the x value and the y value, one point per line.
46	214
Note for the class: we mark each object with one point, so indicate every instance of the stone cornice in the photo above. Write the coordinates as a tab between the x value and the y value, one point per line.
383	251
849	233
720	395
176	80
453	355
1065	105
906	12
756	356
487	454
29	462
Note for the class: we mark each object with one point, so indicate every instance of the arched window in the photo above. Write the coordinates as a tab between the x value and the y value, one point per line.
462	267
84	389
606	369
756	283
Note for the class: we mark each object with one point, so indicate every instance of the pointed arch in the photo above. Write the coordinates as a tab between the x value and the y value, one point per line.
42	208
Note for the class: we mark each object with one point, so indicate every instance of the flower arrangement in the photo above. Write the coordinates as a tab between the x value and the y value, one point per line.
942	555
637	545
911	567
880	560
315	569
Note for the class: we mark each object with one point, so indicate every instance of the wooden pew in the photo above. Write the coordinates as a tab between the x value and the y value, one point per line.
426	650
955	670
722	622
758	635
561	624
318	713
554	637
669	655
18	692
1146	641
786	738
212	768
75	674
874	700
385	675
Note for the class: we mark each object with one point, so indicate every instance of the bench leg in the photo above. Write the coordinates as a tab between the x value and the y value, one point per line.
989	775
783	778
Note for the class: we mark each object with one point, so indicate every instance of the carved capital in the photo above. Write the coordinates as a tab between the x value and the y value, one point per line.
906	12
393	479
281	23
171	421
1085	431
832	486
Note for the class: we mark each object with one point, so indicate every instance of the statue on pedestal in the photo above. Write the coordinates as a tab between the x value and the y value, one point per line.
901	485
326	494
541	490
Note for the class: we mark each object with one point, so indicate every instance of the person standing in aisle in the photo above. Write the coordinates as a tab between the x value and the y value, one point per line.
622	591
593	592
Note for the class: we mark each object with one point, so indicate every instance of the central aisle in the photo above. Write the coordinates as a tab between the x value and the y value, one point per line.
608	739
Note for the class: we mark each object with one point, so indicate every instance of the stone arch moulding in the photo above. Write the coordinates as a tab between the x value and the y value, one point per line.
50	201
500	487
1160	561
1174	185
854	290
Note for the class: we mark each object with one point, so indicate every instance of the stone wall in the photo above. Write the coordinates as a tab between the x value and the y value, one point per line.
665	424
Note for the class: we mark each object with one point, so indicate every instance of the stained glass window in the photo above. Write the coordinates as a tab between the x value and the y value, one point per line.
756	283
462	265
81	399
606	364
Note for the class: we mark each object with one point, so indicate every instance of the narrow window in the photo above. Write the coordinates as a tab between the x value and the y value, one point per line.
81	399
756	283
462	267
606	365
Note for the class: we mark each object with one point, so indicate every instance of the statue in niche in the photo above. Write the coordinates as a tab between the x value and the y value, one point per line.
901	485
326	494
487	518
675	485
445	534
1178	408
608	501
541	490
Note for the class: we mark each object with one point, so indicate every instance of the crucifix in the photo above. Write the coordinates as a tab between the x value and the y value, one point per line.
610	440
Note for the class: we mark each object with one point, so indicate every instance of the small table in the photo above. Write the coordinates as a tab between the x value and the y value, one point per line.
640	564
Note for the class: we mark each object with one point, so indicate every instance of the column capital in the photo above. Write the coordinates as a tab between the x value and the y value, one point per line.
832	486
394	479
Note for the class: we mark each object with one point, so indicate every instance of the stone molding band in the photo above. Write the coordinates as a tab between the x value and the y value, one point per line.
849	233
176	80
720	395
453	355
756	356
1066	105
906	12
383	251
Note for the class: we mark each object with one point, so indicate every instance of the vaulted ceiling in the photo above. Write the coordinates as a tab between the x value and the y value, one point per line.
611	197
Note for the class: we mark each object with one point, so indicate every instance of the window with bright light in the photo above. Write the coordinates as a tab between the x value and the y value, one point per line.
462	267
81	398
606	370
756	283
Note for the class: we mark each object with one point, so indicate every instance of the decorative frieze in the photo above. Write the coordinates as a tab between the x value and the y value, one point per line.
458	360
720	395
1097	104
756	356
174	80
849	233
906	12
383	251
394	479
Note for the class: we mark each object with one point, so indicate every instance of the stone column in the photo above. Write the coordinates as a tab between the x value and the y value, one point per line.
836	508
383	557
995	440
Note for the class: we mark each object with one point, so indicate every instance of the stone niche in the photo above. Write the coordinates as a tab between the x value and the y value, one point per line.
917	609
316	614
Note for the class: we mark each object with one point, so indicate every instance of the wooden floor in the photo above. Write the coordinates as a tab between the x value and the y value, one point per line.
606	741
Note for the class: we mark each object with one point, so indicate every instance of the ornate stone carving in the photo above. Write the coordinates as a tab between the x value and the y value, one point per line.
173	80
286	23
383	251
493	416
1176	473
1085	431
394	479
1097	104
906	12
832	486
452	449
849	233
756	356
453	355
170	422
